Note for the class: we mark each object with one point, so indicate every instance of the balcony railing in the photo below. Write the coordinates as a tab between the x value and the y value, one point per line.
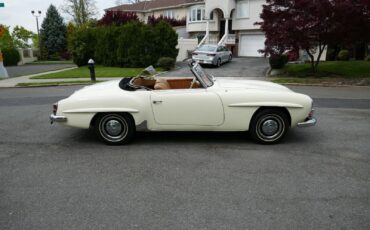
231	39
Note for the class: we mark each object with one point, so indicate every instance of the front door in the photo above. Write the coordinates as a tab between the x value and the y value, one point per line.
187	107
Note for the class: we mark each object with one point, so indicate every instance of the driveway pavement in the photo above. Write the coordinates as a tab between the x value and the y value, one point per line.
55	177
250	68
28	69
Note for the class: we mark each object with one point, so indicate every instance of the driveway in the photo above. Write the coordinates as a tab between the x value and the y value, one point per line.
28	69
238	67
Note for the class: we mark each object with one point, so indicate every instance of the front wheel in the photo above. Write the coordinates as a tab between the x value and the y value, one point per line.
218	64
269	126
114	128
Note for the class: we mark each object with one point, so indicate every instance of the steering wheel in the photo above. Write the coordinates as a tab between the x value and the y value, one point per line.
193	82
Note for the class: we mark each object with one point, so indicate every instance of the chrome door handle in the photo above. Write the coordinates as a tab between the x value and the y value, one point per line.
157	102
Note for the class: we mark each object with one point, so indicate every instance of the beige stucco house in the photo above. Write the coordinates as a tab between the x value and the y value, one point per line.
228	22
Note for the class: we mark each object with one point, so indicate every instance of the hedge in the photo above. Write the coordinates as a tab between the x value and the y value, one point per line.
11	56
131	45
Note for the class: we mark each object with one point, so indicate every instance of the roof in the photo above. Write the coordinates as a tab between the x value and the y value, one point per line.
154	4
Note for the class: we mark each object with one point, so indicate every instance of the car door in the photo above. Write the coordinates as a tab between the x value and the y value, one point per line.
220	53
226	54
187	107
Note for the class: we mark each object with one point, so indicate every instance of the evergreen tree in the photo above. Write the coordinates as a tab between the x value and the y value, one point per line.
53	32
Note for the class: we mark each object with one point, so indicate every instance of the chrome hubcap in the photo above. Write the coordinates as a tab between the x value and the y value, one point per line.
113	127
270	127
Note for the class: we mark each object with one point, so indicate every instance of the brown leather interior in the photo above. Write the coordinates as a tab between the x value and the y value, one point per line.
182	83
144	82
163	84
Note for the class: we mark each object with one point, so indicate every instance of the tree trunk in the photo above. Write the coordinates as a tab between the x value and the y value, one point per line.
312	61
321	50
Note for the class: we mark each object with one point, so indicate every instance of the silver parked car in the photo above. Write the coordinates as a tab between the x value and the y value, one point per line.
212	54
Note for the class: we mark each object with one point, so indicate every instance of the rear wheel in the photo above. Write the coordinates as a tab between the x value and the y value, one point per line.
114	128
269	126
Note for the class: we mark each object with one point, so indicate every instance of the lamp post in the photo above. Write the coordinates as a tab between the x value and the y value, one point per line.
37	15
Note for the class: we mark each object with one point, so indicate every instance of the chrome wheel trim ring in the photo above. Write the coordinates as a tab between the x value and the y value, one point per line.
270	127
113	128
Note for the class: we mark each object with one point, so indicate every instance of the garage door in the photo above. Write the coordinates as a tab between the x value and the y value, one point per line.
250	44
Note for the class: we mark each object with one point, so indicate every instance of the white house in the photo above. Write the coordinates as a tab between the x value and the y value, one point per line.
228	22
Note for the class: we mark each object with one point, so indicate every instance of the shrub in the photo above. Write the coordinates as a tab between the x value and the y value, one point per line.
81	45
166	63
152	20
278	61
133	44
11	56
106	46
343	55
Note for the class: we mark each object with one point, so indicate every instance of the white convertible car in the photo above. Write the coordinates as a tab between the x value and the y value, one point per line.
117	109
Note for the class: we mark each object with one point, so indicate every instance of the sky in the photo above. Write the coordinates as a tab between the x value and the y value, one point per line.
18	12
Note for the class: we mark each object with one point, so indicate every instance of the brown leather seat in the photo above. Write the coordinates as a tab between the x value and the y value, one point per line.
161	84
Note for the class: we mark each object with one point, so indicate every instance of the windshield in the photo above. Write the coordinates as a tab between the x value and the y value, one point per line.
207	48
203	77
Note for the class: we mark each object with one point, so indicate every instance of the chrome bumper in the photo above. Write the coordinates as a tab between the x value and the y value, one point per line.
55	118
308	123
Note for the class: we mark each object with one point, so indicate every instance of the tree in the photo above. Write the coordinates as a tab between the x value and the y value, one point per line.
312	25
81	11
117	18
21	37
53	32
6	40
35	41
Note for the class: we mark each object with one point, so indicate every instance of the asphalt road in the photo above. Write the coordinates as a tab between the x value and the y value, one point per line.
54	177
28	69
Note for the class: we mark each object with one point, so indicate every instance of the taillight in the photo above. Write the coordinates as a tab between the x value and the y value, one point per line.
55	108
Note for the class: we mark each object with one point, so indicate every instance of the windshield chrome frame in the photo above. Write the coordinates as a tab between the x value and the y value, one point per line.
199	78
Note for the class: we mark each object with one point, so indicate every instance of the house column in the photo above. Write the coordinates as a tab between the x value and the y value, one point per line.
226	28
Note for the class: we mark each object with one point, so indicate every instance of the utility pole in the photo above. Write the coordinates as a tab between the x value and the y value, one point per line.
38	30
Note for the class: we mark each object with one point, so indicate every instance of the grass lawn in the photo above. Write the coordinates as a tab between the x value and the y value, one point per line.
100	71
341	69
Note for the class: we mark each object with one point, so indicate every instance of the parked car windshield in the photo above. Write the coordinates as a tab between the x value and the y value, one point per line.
207	48
203	77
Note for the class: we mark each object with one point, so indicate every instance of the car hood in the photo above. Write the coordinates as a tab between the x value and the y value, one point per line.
251	84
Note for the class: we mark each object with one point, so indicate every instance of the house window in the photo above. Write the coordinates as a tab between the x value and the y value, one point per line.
197	14
169	14
243	9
